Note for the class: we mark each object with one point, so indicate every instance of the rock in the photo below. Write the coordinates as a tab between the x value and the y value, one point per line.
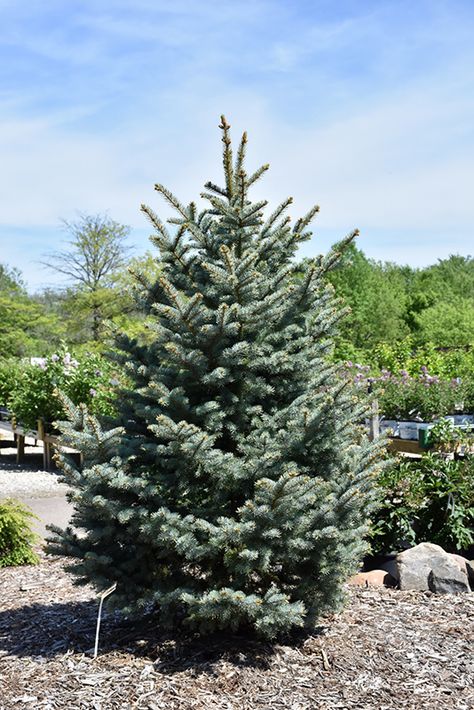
466	566
374	578
429	567
448	578
390	566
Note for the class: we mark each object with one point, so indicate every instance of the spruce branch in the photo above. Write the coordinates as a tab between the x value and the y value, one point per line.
275	215
251	210
242	187
333	257
172	200
215	188
227	157
240	159
257	174
308	280
198	233
156	222
228	257
171	292
303	222
220	207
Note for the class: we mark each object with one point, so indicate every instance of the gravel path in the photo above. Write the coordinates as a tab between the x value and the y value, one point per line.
23	483
27	480
39	490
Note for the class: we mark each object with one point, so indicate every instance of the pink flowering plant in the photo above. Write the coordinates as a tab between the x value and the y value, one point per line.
420	397
446	363
88	380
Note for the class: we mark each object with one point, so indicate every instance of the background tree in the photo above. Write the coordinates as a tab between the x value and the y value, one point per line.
97	251
441	303
26	328
448	324
376	294
398	308
234	489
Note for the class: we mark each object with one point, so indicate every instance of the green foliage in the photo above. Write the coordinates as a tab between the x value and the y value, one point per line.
234	489
74	305
9	377
97	251
141	272
427	382
16	537
426	500
443	363
11	281
376	295
25	327
448	280
448	324
444	436
422	396
397	312
33	394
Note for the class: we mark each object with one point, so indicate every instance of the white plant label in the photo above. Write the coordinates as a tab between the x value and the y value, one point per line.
102	596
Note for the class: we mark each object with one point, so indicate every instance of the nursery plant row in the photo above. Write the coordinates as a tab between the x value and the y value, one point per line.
407	404
419	431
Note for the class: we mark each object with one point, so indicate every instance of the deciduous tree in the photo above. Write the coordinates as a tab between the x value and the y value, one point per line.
97	250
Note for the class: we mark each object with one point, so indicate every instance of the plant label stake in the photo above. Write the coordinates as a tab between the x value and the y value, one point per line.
103	595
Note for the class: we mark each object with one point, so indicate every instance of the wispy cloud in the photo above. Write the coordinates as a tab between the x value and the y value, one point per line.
364	107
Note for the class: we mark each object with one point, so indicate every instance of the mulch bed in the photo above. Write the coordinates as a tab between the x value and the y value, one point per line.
387	649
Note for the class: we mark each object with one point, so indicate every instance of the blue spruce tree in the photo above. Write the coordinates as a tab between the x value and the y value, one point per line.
234	488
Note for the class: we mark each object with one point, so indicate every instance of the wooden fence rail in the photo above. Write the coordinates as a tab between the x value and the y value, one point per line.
50	441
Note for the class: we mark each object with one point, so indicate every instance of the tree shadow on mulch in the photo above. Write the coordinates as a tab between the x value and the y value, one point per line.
44	631
47	630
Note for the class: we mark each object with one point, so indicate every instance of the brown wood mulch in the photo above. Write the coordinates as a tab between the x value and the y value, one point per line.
387	649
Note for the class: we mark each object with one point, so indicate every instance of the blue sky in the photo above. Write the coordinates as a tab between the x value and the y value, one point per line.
366	108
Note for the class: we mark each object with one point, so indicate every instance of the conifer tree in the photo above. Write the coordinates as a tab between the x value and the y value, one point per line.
233	490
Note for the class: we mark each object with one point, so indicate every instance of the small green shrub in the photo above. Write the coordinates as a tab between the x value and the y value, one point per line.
426	500
16	537
445	437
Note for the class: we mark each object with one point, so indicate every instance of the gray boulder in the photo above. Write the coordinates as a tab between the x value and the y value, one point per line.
428	567
446	579
465	565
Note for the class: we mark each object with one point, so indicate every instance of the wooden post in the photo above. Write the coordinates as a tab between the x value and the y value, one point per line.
20	448
39	431
47	456
374	420
41	436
